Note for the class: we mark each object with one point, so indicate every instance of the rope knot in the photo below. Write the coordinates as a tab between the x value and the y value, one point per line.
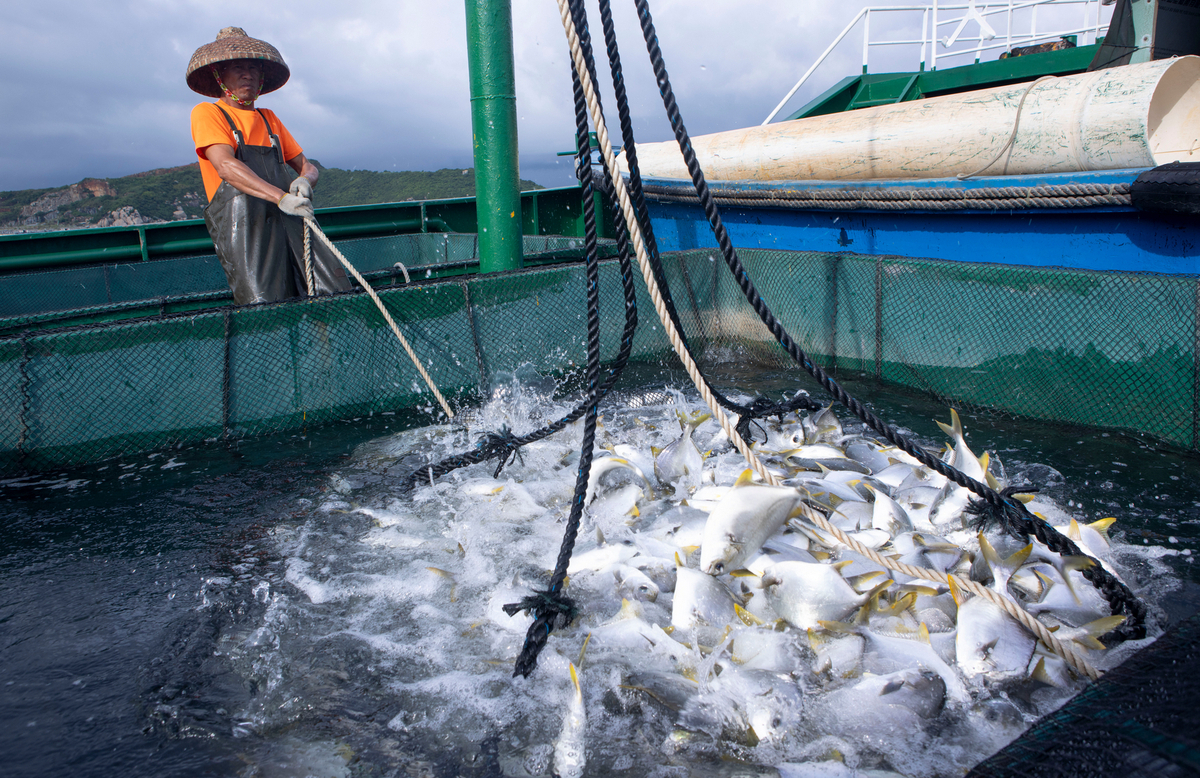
502	444
762	407
1010	516
546	604
551	609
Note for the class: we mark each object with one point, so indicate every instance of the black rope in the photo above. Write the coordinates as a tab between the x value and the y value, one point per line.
503	444
550	607
1014	517
760	407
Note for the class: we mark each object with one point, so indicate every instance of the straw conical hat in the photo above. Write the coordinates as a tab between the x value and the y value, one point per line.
234	43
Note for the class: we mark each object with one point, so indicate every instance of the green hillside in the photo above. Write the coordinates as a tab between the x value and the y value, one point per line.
172	193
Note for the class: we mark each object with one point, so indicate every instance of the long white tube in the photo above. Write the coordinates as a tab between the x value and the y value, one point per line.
1134	116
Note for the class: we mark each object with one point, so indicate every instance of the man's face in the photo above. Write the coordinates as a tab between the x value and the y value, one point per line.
243	77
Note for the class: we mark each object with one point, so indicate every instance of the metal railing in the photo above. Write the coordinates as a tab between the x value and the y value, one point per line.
933	19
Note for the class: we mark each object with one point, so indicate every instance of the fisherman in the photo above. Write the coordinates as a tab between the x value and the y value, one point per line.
255	217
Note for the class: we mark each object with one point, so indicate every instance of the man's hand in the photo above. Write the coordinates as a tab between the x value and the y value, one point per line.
294	205
301	187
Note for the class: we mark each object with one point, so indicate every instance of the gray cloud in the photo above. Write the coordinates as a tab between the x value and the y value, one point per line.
97	89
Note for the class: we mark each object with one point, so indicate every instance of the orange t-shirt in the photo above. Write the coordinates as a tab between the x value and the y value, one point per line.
209	128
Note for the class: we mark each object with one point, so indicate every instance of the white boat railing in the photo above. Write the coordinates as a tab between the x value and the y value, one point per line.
1091	25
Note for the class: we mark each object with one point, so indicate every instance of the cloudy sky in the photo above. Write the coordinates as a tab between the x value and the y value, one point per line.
97	89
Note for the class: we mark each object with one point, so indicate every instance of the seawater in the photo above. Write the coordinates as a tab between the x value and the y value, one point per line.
286	608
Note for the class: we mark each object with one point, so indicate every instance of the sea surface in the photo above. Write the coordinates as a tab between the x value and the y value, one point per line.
278	608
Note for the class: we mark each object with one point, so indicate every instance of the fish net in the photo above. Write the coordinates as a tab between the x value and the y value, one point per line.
93	366
1138	720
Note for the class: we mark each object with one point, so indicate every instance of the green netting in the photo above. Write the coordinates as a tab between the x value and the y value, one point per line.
88	393
1112	350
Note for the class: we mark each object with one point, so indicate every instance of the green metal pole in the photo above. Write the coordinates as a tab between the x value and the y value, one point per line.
494	127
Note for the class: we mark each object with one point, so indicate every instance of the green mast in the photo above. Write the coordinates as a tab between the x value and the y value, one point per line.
494	127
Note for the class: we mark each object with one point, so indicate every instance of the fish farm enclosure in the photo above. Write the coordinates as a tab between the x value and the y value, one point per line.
218	563
101	370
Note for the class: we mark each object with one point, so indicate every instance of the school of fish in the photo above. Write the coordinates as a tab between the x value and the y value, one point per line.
708	602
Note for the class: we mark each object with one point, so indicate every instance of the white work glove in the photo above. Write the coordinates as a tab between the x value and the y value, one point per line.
301	187
294	205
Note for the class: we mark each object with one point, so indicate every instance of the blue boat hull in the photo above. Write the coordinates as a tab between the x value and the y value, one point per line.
1096	237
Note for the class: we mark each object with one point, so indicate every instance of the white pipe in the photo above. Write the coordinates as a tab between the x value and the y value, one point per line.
1135	116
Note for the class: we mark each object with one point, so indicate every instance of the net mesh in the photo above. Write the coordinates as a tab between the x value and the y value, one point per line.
123	374
1100	349
1138	721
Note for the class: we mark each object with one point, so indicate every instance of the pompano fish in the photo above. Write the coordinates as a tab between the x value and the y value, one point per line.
822	426
829	494
633	584
1092	540
888	516
899	702
762	647
989	641
892	647
743	520
949	507
679	463
569	753
749	705
995	572
603	557
869	453
839	656
1075	605
816	456
927	550
1050	668
700	600
805	594
630	630
603	466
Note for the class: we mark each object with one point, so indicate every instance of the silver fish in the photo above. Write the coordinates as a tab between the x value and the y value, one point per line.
948	509
679	463
747	705
609	465
742	521
569	753
805	594
700	600
989	641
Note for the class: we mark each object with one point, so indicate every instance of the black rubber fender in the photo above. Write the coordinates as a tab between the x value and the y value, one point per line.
1170	188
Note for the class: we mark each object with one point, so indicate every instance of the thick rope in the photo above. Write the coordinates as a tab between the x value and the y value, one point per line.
550	606
1038	629
760	407
308	268
311	223
899	199
1011	514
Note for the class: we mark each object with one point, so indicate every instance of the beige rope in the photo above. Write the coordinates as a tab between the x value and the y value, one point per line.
718	413
387	316
308	271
